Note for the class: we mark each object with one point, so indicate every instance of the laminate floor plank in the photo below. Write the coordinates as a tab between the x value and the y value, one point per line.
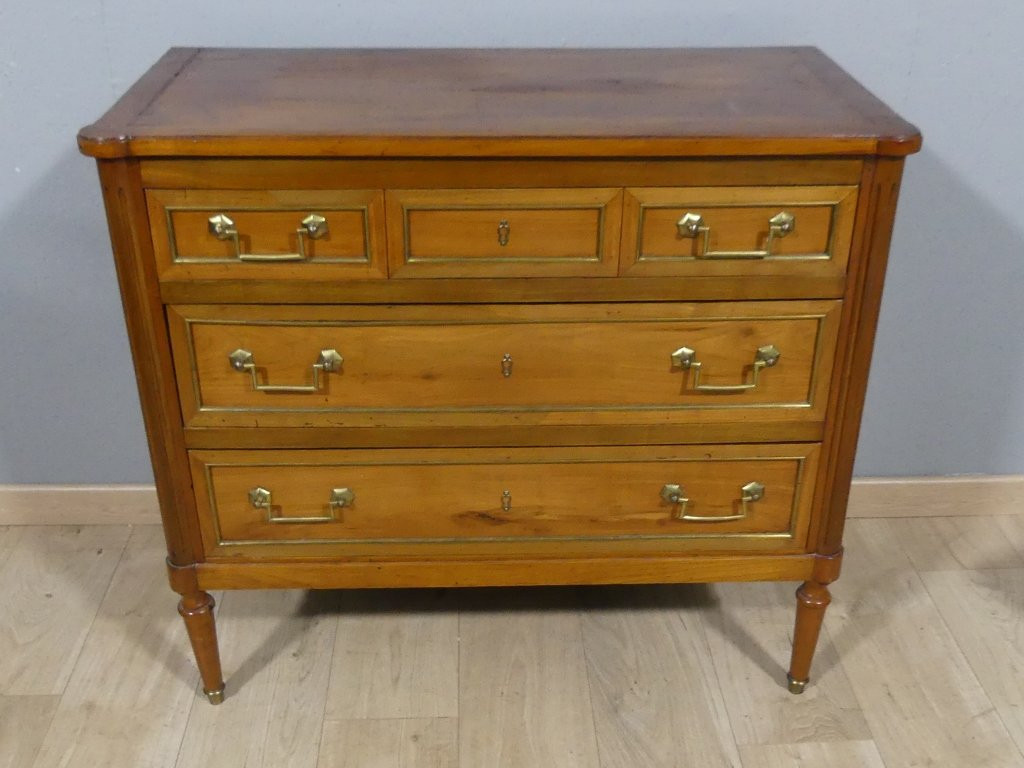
655	697
524	698
750	633
400	743
276	651
833	754
54	580
922	701
985	612
24	721
396	655
129	696
956	543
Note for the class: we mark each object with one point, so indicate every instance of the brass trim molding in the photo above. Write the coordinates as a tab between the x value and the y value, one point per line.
201	407
176	258
791	533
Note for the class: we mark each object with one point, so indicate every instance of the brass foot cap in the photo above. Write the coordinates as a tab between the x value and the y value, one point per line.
796	686
215	697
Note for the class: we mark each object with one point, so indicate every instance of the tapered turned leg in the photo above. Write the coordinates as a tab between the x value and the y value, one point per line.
197	610
812	600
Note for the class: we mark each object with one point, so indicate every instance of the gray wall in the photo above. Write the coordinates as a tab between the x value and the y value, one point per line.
946	394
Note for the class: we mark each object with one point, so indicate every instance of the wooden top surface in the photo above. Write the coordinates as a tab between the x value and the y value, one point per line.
507	102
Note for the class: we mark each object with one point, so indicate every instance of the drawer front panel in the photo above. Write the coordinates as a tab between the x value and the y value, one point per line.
207	234
495	233
705	497
685	362
737	231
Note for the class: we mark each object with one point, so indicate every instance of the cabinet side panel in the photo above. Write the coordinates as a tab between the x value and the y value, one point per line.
880	191
151	354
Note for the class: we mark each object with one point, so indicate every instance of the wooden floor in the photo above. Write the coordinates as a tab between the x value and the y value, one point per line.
921	663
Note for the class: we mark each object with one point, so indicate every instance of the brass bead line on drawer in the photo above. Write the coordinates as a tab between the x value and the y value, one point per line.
314	226
329	361
692	225
674	494
686	358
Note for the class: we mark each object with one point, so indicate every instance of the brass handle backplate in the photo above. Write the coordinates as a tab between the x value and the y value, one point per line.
686	358
692	225
329	361
506	365
674	494
504	232
506	501
262	498
313	226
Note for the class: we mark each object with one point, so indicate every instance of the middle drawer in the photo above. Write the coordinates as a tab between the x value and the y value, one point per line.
341	366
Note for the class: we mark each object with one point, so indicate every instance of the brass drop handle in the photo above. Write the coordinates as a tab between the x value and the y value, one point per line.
692	225
313	226
686	358
506	501
506	365
674	494
504	232
329	361
261	498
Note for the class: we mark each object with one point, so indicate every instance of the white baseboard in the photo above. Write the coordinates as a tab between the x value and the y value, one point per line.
870	497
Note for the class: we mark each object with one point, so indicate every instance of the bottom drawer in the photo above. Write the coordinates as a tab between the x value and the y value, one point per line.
477	502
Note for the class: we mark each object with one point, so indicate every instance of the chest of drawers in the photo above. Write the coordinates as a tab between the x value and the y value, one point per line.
453	318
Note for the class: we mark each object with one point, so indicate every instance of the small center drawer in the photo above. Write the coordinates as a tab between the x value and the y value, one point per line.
503	232
700	497
416	365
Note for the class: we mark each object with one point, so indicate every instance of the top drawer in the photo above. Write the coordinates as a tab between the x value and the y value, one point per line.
503	232
284	234
737	231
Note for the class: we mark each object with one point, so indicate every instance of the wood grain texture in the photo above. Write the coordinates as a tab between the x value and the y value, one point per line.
24	721
128	699
276	649
439	365
834	754
460	499
396	656
749	630
548	140
651	670
402	743
54	581
737	219
455	233
611	568
921	699
870	250
958	543
653	690
984	611
78	505
267	222
743	101
523	684
151	355
222	173
981	495
910	497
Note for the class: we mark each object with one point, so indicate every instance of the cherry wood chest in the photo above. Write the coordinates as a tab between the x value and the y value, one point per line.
500	317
